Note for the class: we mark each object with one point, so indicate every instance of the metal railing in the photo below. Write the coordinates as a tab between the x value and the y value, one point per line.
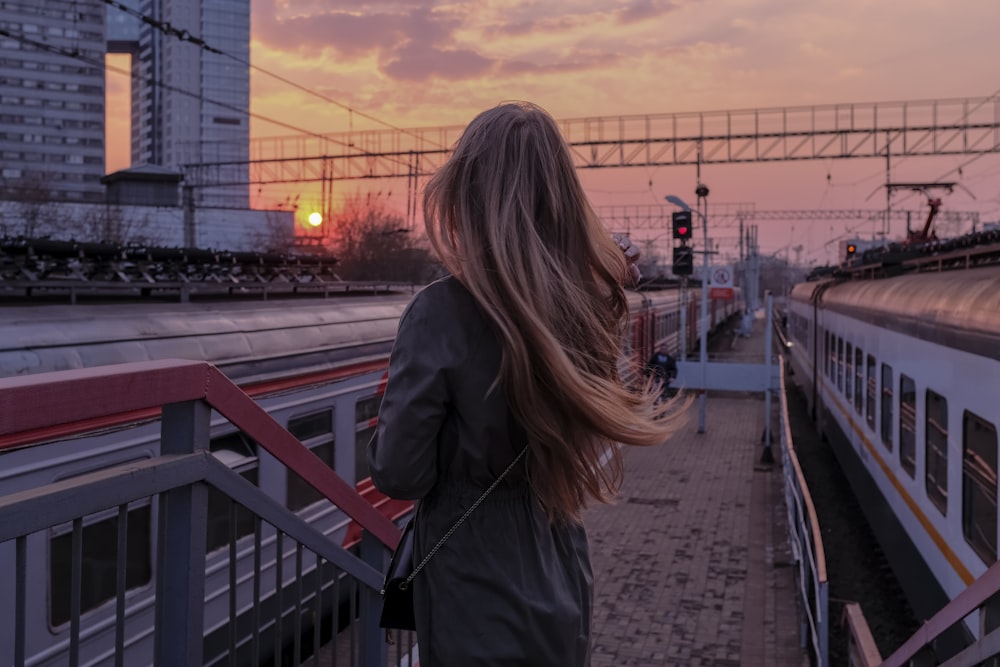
982	596
806	542
289	585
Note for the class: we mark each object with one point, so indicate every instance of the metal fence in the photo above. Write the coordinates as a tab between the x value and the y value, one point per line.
283	590
806	542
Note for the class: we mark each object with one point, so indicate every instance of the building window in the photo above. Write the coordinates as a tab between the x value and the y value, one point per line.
908	424
979	486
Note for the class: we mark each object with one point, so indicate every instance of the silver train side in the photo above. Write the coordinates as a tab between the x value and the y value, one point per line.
318	366
901	375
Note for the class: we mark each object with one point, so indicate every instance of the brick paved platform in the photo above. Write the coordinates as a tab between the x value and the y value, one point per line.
692	566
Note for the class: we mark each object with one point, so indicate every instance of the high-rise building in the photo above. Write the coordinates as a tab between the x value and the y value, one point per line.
190	104
52	99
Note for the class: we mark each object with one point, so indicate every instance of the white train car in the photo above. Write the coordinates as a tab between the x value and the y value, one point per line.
902	376
317	365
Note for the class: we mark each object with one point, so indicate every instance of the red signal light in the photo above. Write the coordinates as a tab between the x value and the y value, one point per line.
682	225
851	249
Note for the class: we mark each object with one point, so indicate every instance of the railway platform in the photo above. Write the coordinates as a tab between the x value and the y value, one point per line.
692	565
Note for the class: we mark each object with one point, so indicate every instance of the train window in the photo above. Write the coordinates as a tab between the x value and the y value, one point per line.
361	440
234	449
365	419
314	425
872	388
218	515
827	363
315	430
979	486
367	408
887	406
936	450
908	424
840	363
833	358
239	452
849	373
99	574
859	379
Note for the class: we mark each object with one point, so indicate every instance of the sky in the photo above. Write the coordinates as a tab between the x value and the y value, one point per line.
423	63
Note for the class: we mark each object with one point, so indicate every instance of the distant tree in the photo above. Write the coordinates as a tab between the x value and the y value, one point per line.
114	224
372	242
278	236
28	206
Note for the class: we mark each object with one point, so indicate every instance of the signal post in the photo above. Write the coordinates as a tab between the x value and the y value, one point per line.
683	267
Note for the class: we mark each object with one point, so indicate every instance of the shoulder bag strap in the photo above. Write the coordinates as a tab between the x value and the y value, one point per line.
465	516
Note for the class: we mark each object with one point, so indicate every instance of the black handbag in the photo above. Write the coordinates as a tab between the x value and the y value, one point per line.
397	589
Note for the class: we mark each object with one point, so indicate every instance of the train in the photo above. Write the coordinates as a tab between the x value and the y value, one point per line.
318	365
899	362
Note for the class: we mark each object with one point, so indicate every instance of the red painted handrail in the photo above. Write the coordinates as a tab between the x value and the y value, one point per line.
49	400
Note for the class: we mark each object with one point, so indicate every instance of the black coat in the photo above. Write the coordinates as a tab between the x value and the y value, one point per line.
662	366
508	587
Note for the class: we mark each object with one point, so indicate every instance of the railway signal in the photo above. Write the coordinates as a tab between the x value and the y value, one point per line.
683	260
682	225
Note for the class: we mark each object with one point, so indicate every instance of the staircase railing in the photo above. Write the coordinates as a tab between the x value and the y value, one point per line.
309	574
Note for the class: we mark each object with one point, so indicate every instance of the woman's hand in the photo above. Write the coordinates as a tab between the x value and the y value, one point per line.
631	257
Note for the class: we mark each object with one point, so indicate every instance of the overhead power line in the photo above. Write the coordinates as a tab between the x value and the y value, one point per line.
186	36
75	55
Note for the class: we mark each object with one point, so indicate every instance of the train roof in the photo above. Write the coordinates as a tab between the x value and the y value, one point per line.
807	291
249	341
960	309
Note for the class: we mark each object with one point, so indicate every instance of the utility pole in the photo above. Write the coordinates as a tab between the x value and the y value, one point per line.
702	192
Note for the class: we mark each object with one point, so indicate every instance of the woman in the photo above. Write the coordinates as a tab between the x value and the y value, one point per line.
519	347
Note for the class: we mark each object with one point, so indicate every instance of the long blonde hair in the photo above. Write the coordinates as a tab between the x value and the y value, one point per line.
508	217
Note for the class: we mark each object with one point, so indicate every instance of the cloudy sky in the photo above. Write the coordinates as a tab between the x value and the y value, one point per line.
418	63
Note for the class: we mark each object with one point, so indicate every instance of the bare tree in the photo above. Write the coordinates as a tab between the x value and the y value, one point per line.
114	224
373	243
29	207
277	236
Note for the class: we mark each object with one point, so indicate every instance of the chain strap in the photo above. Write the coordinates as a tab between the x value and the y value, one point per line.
406	582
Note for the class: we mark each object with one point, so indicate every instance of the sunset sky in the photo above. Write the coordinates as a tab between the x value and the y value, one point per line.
419	63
